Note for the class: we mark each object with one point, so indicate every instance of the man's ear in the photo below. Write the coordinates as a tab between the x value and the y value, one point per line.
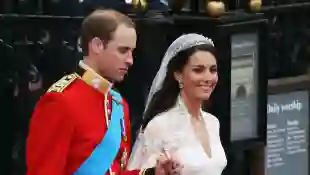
178	76
96	45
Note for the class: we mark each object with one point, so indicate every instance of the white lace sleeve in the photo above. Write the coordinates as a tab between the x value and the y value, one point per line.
146	150
162	133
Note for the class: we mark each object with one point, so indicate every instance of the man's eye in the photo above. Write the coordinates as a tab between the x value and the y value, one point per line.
123	50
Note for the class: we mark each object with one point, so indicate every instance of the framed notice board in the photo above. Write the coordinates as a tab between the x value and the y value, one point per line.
287	149
240	98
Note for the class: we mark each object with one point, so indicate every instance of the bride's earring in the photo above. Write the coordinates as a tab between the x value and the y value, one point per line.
181	85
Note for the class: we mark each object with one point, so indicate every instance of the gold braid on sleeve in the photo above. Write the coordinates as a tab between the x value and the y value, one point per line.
148	171
142	172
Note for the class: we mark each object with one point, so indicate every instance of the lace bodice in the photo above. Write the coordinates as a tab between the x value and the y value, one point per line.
172	130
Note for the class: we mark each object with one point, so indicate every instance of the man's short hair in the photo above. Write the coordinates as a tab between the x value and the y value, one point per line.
102	23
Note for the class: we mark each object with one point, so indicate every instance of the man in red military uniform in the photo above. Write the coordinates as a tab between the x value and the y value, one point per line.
81	125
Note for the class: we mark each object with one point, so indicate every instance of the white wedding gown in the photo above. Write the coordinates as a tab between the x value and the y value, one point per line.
172	130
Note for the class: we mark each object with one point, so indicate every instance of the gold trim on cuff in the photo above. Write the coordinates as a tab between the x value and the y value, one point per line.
142	172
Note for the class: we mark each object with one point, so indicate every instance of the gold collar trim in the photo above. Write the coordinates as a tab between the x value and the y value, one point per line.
93	79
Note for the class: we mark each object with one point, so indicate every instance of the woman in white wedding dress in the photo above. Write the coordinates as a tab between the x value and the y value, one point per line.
173	120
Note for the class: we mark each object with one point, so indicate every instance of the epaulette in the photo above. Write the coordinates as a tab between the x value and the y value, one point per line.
64	82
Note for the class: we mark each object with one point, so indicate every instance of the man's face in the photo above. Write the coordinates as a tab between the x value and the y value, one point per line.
116	57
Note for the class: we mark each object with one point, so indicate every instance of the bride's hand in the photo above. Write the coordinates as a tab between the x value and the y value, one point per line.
168	165
175	168
160	165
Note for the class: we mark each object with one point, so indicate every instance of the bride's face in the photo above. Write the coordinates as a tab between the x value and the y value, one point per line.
199	75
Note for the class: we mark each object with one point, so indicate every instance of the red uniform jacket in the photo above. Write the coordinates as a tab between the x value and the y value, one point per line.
67	124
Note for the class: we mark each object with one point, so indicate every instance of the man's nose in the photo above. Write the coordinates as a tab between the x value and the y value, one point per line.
129	59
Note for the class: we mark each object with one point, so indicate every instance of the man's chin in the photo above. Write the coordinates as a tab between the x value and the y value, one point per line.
118	79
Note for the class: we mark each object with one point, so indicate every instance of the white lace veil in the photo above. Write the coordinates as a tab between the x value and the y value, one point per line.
138	156
182	43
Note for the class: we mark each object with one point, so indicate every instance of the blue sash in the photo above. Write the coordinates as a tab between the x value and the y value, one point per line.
101	159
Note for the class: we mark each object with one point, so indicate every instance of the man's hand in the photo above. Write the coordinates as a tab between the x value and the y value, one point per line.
167	165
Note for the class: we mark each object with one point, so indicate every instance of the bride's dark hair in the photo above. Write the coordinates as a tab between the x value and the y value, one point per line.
165	98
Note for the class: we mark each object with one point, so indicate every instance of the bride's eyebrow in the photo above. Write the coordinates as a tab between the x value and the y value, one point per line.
203	66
